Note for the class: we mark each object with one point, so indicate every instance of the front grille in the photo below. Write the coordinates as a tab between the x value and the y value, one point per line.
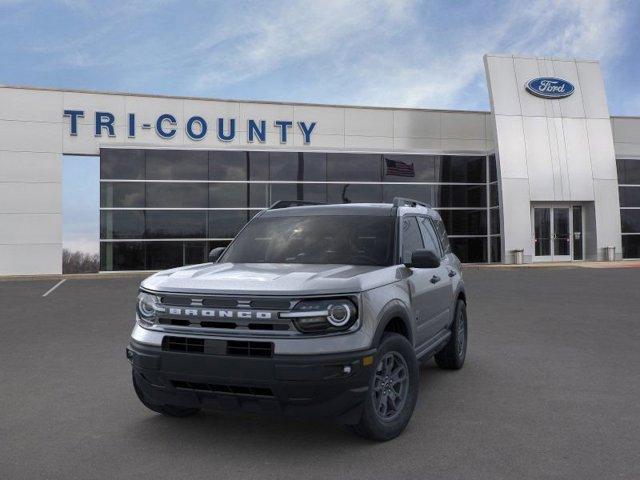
183	344
250	349
228	389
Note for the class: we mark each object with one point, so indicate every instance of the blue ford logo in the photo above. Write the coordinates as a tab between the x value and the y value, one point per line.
549	87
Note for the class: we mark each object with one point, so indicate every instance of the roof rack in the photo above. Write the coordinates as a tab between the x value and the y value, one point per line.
408	202
291	203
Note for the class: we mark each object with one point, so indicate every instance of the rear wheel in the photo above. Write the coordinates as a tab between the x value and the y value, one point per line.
393	390
452	356
169	410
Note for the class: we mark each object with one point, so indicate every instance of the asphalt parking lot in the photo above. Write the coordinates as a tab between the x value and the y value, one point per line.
551	389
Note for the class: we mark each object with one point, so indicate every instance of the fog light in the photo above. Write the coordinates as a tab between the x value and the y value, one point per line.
346	369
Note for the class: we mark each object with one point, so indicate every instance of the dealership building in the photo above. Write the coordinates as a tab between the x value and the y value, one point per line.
546	175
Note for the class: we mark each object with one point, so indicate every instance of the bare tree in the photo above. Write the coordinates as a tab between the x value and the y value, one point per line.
80	262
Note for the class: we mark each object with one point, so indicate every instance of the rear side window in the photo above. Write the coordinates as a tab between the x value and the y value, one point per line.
442	234
430	237
411	238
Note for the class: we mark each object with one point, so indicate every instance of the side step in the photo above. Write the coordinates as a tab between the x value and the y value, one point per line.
429	349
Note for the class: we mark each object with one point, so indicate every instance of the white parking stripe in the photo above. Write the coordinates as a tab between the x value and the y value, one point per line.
54	287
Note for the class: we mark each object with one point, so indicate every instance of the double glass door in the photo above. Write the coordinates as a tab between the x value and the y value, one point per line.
557	233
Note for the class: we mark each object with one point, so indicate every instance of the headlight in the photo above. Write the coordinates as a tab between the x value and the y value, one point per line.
323	316
148	306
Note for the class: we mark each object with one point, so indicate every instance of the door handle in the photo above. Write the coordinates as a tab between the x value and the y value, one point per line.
435	279
452	273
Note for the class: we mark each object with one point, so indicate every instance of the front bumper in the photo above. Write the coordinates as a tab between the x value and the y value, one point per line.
325	386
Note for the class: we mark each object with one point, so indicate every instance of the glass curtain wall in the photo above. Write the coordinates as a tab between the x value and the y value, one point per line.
166	208
629	190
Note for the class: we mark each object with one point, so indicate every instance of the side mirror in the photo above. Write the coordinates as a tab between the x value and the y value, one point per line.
424	259
214	254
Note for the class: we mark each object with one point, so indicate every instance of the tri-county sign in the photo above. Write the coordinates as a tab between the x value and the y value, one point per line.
549	87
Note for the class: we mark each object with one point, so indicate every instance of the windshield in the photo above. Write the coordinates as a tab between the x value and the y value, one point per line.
338	239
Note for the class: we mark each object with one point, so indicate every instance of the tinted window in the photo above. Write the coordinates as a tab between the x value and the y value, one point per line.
176	224
226	223
493	169
354	193
340	239
285	166
122	256
315	166
122	164
461	169
628	171
470	250
409	168
494	199
415	192
411	238
429	236
162	255
121	224
354	167
129	195
631	246
458	196
496	252
176	165
177	195
465	222
495	220
258	166
195	252
630	196
228	195
630	221
442	234
228	165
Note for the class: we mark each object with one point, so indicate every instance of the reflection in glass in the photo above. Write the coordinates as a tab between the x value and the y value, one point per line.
177	195
125	164
415	192
163	255
228	195
121	224
464	222
176	224
128	195
228	165
354	193
542	230
122	256
176	165
470	250
631	246
628	171
496	250
629	196
357	167
458	196
226	223
461	169
630	221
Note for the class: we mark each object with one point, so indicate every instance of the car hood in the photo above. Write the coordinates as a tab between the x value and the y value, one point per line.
271	279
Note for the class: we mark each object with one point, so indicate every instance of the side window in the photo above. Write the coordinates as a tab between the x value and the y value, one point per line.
430	237
411	238
442	234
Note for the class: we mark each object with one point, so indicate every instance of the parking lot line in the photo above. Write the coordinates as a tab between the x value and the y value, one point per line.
54	287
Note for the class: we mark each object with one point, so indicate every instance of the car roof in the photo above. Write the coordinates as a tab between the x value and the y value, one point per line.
367	209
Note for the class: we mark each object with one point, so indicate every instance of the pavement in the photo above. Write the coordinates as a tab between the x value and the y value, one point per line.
550	390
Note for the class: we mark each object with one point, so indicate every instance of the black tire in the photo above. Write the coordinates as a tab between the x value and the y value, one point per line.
452	356
169	410
372	424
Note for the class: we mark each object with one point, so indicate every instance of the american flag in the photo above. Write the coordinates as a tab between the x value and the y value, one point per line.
398	168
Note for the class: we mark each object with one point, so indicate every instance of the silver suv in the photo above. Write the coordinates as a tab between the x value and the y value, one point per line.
312	310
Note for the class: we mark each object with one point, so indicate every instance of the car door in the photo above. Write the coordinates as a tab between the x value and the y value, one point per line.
423	288
444	286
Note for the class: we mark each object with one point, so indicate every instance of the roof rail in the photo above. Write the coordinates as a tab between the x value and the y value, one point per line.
408	202
291	203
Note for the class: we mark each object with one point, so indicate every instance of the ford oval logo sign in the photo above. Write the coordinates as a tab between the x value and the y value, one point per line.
549	87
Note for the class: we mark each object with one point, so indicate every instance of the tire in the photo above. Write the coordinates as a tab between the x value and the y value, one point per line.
168	410
382	423
452	356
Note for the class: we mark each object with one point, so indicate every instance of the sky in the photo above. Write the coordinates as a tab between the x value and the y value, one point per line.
400	53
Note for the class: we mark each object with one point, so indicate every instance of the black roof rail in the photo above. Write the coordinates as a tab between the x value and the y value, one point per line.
291	203
408	202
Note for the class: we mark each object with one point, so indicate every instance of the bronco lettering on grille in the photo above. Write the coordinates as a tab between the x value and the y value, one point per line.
218	313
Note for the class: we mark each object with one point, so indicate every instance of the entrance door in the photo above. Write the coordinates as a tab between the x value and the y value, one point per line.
557	232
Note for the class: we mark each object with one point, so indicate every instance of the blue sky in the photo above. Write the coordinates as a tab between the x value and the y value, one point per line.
391	53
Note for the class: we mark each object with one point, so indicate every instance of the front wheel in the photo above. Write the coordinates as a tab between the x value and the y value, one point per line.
452	356
393	390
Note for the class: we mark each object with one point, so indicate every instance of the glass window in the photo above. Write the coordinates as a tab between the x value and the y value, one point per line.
495	220
309	192
493	169
195	252
409	168
411	238
461	169
415	192
631	246
228	165
329	239
122	256
258	166
470	250
465	222
442	234
121	224
177	165
494	199
122	163
228	195
354	193
315	166
177	195
496	249
163	255
176	224
628	171
285	166
258	195
130	195
226	223
629	196
429	236
458	196
357	167
630	221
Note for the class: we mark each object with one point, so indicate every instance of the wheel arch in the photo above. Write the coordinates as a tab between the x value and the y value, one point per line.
395	318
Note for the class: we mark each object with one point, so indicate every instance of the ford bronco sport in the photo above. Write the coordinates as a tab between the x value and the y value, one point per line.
321	310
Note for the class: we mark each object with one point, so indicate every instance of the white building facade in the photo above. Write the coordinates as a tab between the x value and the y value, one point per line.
547	172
